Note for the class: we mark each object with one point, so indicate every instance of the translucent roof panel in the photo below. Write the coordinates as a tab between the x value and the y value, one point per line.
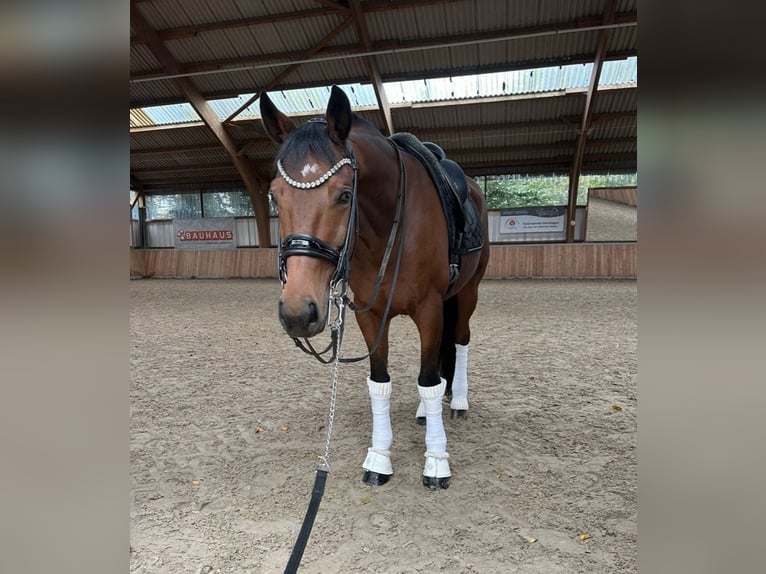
163	115
297	101
618	72
511	83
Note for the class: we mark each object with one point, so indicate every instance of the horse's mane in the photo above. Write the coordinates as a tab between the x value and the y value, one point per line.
311	139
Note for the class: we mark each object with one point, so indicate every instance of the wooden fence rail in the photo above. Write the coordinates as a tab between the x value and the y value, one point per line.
554	260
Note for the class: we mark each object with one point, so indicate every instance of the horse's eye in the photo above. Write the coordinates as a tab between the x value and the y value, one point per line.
274	204
344	197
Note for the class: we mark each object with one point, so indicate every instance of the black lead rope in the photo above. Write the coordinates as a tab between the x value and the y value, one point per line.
324	467
320	478
308	522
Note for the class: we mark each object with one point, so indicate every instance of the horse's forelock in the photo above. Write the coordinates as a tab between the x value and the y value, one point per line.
310	140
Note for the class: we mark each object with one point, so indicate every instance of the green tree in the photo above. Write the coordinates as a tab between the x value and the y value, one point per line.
533	191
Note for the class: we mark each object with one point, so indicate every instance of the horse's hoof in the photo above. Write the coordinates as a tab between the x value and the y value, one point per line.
461	414
434	483
421	421
375	478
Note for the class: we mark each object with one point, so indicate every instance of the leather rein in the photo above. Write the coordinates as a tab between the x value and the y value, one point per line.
311	246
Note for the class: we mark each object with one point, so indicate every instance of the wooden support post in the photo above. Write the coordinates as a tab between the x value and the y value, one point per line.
372	67
590	96
210	118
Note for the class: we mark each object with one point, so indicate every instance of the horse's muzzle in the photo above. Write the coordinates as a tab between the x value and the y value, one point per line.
303	321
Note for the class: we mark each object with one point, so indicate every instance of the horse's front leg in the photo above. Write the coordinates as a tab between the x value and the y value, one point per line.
431	386
377	464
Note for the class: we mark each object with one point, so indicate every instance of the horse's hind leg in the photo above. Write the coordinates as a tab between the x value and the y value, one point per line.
377	464
447	351
466	305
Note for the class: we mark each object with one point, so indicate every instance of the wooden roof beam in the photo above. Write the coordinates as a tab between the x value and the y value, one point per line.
509	126
602	118
450	150
562	160
568	121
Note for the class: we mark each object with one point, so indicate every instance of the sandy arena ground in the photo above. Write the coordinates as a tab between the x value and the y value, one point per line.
611	221
228	418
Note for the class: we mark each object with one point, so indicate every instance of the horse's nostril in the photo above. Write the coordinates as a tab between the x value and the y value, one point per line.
313	313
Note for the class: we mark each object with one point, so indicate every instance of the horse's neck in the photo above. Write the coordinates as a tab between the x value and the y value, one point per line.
377	191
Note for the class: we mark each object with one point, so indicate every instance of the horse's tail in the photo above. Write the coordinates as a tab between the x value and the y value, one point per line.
447	350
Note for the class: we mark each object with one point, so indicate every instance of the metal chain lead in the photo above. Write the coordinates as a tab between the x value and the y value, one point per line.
337	328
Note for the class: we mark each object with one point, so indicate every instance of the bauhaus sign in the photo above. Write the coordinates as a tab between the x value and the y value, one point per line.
212	233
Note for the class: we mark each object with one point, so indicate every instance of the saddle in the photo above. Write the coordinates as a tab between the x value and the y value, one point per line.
464	227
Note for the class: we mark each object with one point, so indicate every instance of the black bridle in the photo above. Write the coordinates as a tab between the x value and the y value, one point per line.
311	246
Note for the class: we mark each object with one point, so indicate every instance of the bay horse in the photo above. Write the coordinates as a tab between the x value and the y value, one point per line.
348	201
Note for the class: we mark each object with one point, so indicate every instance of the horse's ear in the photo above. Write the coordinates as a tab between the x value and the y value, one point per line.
277	124
338	115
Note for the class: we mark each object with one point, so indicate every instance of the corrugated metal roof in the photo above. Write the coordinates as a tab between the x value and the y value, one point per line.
165	90
616	100
516	111
622	128
389	25
173	159
172	137
142	59
624	38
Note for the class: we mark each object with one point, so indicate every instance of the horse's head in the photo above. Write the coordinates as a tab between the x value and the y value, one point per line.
313	192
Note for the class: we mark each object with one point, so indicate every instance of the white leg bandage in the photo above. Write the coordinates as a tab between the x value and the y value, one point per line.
380	400
436	439
379	456
431	397
460	380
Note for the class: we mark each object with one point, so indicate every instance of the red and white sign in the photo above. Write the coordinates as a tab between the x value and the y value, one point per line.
213	233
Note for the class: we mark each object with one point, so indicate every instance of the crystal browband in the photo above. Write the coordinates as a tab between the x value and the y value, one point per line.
317	182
